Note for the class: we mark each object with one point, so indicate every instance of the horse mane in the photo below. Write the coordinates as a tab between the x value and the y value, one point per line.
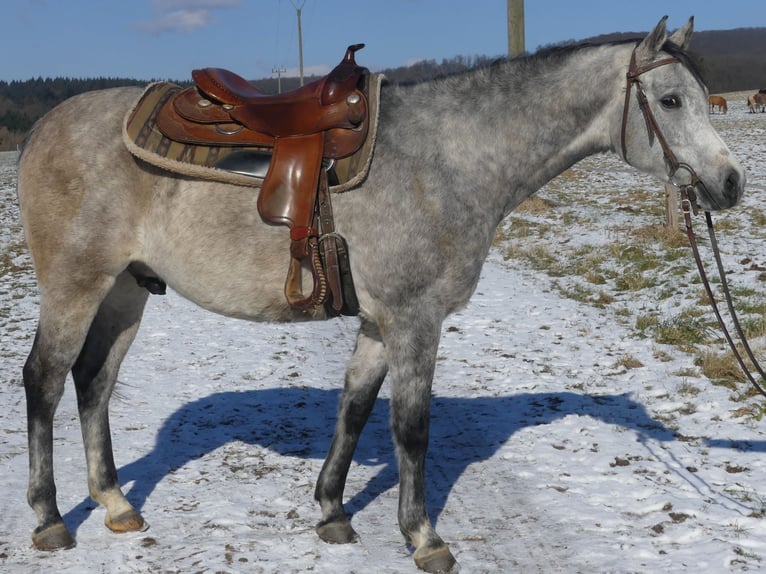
554	54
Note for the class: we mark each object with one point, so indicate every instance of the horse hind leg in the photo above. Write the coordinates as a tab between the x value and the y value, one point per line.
66	312
44	385
364	376
95	374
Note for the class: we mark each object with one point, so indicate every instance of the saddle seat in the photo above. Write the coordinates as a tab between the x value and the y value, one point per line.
324	120
330	102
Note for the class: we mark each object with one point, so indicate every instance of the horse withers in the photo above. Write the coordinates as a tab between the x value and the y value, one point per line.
453	157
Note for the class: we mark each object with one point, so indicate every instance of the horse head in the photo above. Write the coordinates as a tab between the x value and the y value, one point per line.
664	126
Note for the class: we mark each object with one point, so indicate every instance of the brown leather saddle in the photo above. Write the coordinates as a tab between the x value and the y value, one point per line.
304	130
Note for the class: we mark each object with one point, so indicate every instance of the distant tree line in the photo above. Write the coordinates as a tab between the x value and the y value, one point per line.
22	103
422	70
729	60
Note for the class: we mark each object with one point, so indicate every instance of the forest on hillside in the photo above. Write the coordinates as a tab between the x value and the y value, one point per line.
729	60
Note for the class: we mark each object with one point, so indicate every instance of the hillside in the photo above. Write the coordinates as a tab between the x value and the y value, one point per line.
730	60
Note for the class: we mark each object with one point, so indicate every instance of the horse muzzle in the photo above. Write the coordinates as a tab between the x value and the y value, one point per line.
727	194
714	193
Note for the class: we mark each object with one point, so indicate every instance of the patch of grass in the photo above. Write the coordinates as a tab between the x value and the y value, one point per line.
593	275
603	299
670	238
541	258
683	331
721	368
575	292
661	355
743	291
628	362
754	327
688	389
634	280
687	372
758	217
536	205
622	311
750	410
725	223
11	260
646	322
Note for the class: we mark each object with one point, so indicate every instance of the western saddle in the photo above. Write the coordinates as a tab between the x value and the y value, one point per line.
303	130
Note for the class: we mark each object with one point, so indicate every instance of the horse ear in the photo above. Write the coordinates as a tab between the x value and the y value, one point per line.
683	36
652	44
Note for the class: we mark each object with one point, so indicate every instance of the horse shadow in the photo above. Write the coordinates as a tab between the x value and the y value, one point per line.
296	422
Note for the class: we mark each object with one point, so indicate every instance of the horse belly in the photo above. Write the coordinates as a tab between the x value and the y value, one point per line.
208	243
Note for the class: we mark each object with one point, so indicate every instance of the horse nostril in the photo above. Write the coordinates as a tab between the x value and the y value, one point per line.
732	188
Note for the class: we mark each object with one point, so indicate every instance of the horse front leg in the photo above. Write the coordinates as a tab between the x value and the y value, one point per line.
364	375
411	351
95	374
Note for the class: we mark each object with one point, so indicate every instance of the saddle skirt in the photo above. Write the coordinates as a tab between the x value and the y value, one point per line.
236	158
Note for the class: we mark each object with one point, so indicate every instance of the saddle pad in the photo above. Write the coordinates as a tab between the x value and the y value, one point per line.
144	140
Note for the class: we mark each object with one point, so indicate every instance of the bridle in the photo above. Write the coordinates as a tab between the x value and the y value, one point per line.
652	128
689	206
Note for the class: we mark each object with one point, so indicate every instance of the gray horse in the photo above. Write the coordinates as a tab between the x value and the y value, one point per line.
453	158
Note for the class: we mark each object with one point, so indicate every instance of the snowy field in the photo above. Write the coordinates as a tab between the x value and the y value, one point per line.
549	453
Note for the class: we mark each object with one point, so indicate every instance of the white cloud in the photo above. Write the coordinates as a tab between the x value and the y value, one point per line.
184	20
183	15
168	5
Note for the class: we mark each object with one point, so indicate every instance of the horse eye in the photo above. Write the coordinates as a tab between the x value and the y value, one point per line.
671	102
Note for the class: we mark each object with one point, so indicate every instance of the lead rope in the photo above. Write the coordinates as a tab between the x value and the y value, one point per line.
687	202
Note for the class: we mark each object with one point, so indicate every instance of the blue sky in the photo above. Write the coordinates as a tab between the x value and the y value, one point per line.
166	39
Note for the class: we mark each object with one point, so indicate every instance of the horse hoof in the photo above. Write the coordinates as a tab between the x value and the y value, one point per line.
54	537
129	521
436	560
339	532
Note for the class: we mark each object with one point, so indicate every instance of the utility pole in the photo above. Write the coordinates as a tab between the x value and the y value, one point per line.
516	28
278	71
671	206
300	36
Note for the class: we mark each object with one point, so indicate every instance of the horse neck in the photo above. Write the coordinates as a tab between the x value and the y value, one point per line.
511	128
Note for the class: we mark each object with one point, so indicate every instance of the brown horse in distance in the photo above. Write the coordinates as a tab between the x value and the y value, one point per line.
718	102
756	102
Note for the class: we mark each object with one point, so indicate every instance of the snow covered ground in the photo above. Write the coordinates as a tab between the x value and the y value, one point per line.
549	453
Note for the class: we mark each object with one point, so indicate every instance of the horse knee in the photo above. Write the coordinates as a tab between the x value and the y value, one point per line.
410	424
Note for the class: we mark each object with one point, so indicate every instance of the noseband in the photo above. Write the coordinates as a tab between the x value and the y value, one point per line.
652	128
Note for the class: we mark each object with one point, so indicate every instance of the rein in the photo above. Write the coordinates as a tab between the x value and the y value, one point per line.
689	206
